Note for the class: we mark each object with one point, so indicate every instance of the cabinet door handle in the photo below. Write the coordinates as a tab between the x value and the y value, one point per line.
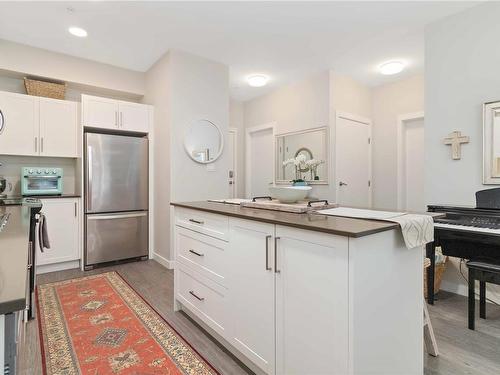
75	209
267	253
196	253
36	144
195	296
196	221
116	118
41	144
276	270
121	119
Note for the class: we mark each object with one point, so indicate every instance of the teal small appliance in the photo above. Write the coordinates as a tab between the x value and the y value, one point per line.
41	181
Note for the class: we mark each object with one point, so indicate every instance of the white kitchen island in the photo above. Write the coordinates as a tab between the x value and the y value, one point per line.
301	293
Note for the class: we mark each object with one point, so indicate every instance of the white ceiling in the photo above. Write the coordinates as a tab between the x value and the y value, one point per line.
286	40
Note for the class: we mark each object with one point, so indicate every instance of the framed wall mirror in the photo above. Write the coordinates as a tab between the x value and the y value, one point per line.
204	141
491	143
302	155
2	122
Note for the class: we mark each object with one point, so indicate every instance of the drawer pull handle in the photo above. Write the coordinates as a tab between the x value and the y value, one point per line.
196	221
196	253
195	296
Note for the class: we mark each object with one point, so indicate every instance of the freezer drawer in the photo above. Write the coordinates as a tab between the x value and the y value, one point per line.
110	237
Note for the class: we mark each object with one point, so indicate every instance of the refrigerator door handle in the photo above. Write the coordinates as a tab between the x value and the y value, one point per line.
89	178
118	216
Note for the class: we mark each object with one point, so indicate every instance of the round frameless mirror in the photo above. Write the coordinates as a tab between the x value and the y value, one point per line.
2	122
203	141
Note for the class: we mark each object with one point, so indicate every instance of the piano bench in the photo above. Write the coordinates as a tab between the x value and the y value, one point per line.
484	273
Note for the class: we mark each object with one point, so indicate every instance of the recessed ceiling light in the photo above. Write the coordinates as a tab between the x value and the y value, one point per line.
257	80
78	31
391	67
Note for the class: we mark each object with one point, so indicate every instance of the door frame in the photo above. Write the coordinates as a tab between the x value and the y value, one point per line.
234	131
402	121
362	120
248	151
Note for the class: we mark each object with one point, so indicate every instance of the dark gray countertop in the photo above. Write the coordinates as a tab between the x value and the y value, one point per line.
14	240
342	226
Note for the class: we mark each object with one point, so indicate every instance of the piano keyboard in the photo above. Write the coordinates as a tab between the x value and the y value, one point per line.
467	228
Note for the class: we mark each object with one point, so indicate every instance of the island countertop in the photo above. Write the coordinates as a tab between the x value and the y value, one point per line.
341	226
14	239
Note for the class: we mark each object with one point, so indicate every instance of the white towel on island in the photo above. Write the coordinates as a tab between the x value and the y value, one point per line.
417	229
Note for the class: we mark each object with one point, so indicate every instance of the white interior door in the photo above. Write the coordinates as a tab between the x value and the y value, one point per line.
353	160
260	161
232	142
411	179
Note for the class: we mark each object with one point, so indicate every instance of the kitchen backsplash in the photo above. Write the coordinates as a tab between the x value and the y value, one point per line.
11	170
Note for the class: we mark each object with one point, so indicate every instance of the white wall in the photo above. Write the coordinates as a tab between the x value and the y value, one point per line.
388	103
19	60
299	106
158	95
311	103
461	73
73	93
184	88
12	166
199	90
294	107
236	120
348	95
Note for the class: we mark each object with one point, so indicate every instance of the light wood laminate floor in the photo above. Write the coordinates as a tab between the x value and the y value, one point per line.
462	351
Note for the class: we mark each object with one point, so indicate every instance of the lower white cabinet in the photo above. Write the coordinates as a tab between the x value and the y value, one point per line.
63	223
311	303
302	302
251	291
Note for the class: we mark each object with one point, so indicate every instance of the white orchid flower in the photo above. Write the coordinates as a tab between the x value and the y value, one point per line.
301	158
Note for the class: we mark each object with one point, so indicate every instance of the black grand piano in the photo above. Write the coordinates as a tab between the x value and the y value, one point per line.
466	232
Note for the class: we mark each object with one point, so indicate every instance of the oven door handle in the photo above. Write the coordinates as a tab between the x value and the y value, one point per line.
57	177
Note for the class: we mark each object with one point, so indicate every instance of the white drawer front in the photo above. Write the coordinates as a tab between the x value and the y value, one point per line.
207	302
203	222
205	254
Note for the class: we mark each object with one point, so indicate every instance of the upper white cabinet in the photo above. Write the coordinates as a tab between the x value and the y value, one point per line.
134	117
58	128
113	114
37	126
63	223
99	112
20	133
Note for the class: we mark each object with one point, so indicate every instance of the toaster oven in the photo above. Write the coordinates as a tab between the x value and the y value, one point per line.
41	181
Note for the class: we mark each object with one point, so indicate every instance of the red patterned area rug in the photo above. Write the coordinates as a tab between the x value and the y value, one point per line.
98	325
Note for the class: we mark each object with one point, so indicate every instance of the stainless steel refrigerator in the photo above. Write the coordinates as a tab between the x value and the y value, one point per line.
116	198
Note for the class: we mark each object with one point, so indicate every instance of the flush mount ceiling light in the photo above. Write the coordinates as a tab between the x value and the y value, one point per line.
257	80
77	31
391	67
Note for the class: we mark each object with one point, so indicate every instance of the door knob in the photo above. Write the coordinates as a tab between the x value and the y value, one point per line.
341	183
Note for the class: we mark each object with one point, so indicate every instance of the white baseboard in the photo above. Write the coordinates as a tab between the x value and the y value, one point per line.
46	268
164	261
461	289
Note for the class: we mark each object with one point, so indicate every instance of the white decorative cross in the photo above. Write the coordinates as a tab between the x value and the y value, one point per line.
456	139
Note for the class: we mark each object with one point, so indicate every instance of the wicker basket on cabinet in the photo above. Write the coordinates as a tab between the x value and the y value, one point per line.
46	89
